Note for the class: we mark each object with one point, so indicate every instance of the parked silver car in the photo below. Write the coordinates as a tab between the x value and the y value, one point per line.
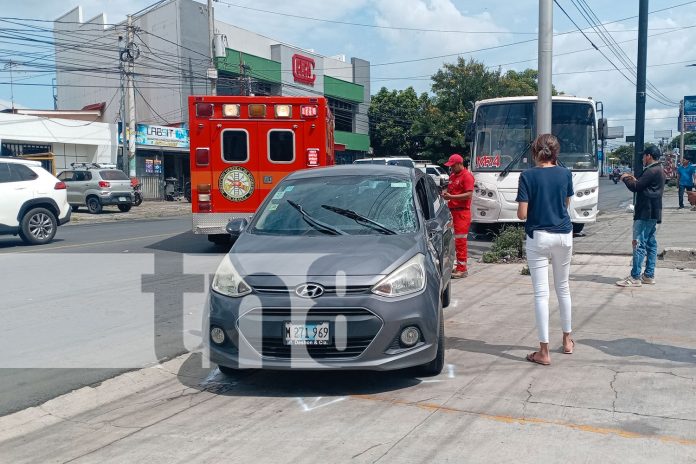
346	267
97	185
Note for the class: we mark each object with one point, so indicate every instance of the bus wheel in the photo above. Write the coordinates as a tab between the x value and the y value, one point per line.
577	227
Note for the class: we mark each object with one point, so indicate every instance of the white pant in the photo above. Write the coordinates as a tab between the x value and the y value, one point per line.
559	249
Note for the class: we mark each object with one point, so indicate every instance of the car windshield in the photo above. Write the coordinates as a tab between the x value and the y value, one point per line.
504	130
314	206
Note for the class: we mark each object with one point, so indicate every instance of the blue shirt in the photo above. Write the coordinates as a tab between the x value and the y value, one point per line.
546	190
686	175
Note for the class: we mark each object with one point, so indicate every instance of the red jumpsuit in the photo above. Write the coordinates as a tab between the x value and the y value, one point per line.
461	213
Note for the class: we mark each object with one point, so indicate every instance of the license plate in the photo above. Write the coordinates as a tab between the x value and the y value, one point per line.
122	199
307	334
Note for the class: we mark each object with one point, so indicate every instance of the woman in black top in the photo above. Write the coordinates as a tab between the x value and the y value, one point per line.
544	195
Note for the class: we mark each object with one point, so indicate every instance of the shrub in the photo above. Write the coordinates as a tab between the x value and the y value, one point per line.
507	246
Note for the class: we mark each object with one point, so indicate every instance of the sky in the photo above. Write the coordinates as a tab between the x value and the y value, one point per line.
446	29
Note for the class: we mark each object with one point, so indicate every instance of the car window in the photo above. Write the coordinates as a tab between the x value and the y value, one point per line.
435	198
401	162
114	174
5	175
431	171
21	172
81	176
281	146
386	200
65	176
235	145
423	200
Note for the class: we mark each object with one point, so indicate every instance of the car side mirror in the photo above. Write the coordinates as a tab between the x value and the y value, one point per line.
236	226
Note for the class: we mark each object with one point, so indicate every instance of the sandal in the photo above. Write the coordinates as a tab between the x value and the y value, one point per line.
531	357
571	349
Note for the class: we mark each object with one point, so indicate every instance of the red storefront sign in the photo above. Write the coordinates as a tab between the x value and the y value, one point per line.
303	69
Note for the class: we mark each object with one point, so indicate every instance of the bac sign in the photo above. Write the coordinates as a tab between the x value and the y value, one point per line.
312	157
303	69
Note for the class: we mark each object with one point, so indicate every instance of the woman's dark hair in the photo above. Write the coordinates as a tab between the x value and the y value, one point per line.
546	148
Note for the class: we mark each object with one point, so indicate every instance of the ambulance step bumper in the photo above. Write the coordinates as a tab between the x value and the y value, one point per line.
214	223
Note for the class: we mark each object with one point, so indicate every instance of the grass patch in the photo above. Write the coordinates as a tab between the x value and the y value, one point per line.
508	246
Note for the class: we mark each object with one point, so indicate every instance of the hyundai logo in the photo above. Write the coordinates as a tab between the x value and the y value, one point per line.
309	290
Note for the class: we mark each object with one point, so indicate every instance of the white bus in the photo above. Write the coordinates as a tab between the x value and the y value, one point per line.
501	136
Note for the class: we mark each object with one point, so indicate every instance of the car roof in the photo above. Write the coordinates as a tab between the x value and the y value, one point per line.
20	161
355	170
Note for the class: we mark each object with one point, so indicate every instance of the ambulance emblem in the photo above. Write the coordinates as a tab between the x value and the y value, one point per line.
236	183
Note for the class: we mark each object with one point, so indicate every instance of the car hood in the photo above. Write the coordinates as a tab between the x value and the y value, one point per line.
354	255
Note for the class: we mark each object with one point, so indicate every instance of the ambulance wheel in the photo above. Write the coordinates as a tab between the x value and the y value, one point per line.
577	227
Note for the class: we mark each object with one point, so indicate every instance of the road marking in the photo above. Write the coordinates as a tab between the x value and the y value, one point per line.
531	420
450	371
87	244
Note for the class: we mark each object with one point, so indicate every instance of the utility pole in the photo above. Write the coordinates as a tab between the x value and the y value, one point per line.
124	143
640	87
212	71
682	129
545	67
132	55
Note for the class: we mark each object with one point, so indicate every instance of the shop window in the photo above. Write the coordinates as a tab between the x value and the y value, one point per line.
281	146
235	146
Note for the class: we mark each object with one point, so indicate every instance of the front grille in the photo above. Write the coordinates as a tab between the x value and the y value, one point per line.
328	291
266	331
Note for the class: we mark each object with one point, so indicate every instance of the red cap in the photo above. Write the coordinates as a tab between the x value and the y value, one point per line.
454	159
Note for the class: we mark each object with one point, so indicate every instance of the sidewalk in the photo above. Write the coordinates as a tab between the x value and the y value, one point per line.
147	210
612	234
627	394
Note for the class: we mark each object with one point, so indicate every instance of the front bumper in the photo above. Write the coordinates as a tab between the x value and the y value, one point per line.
364	330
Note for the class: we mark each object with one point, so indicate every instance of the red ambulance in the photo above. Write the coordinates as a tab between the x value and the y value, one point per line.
241	147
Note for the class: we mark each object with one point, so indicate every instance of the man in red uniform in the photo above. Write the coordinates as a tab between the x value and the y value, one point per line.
458	196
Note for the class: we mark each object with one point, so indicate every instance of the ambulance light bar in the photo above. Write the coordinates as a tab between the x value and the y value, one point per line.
257	111
309	111
230	111
283	111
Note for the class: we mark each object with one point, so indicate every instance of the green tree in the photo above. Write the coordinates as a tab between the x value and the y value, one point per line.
623	154
392	115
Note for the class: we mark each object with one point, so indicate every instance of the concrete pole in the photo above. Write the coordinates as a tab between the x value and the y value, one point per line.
211	40
640	87
130	90
681	134
545	66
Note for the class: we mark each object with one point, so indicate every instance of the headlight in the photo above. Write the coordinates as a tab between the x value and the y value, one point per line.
407	279
227	280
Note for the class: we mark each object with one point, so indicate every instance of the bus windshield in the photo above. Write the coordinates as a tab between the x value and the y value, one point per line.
504	131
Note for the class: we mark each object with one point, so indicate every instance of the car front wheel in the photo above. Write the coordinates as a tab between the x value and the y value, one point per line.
435	366
38	226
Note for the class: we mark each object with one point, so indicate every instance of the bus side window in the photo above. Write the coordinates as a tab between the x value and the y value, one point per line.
235	146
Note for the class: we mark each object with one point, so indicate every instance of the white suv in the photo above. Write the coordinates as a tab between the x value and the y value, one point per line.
34	202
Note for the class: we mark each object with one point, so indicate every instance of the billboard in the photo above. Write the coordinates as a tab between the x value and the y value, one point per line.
690	113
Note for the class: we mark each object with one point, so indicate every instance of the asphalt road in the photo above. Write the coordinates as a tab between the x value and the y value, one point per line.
162	240
88	256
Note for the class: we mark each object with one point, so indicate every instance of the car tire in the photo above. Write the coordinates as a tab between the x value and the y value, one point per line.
94	206
38	226
446	295
75	208
124	208
435	366
577	227
228	371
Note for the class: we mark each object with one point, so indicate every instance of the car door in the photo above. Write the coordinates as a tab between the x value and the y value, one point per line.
15	190
443	240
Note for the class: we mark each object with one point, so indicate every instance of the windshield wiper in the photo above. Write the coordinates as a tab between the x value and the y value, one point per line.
516	159
360	219
318	225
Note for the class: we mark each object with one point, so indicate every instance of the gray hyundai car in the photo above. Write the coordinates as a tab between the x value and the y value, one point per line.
346	267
